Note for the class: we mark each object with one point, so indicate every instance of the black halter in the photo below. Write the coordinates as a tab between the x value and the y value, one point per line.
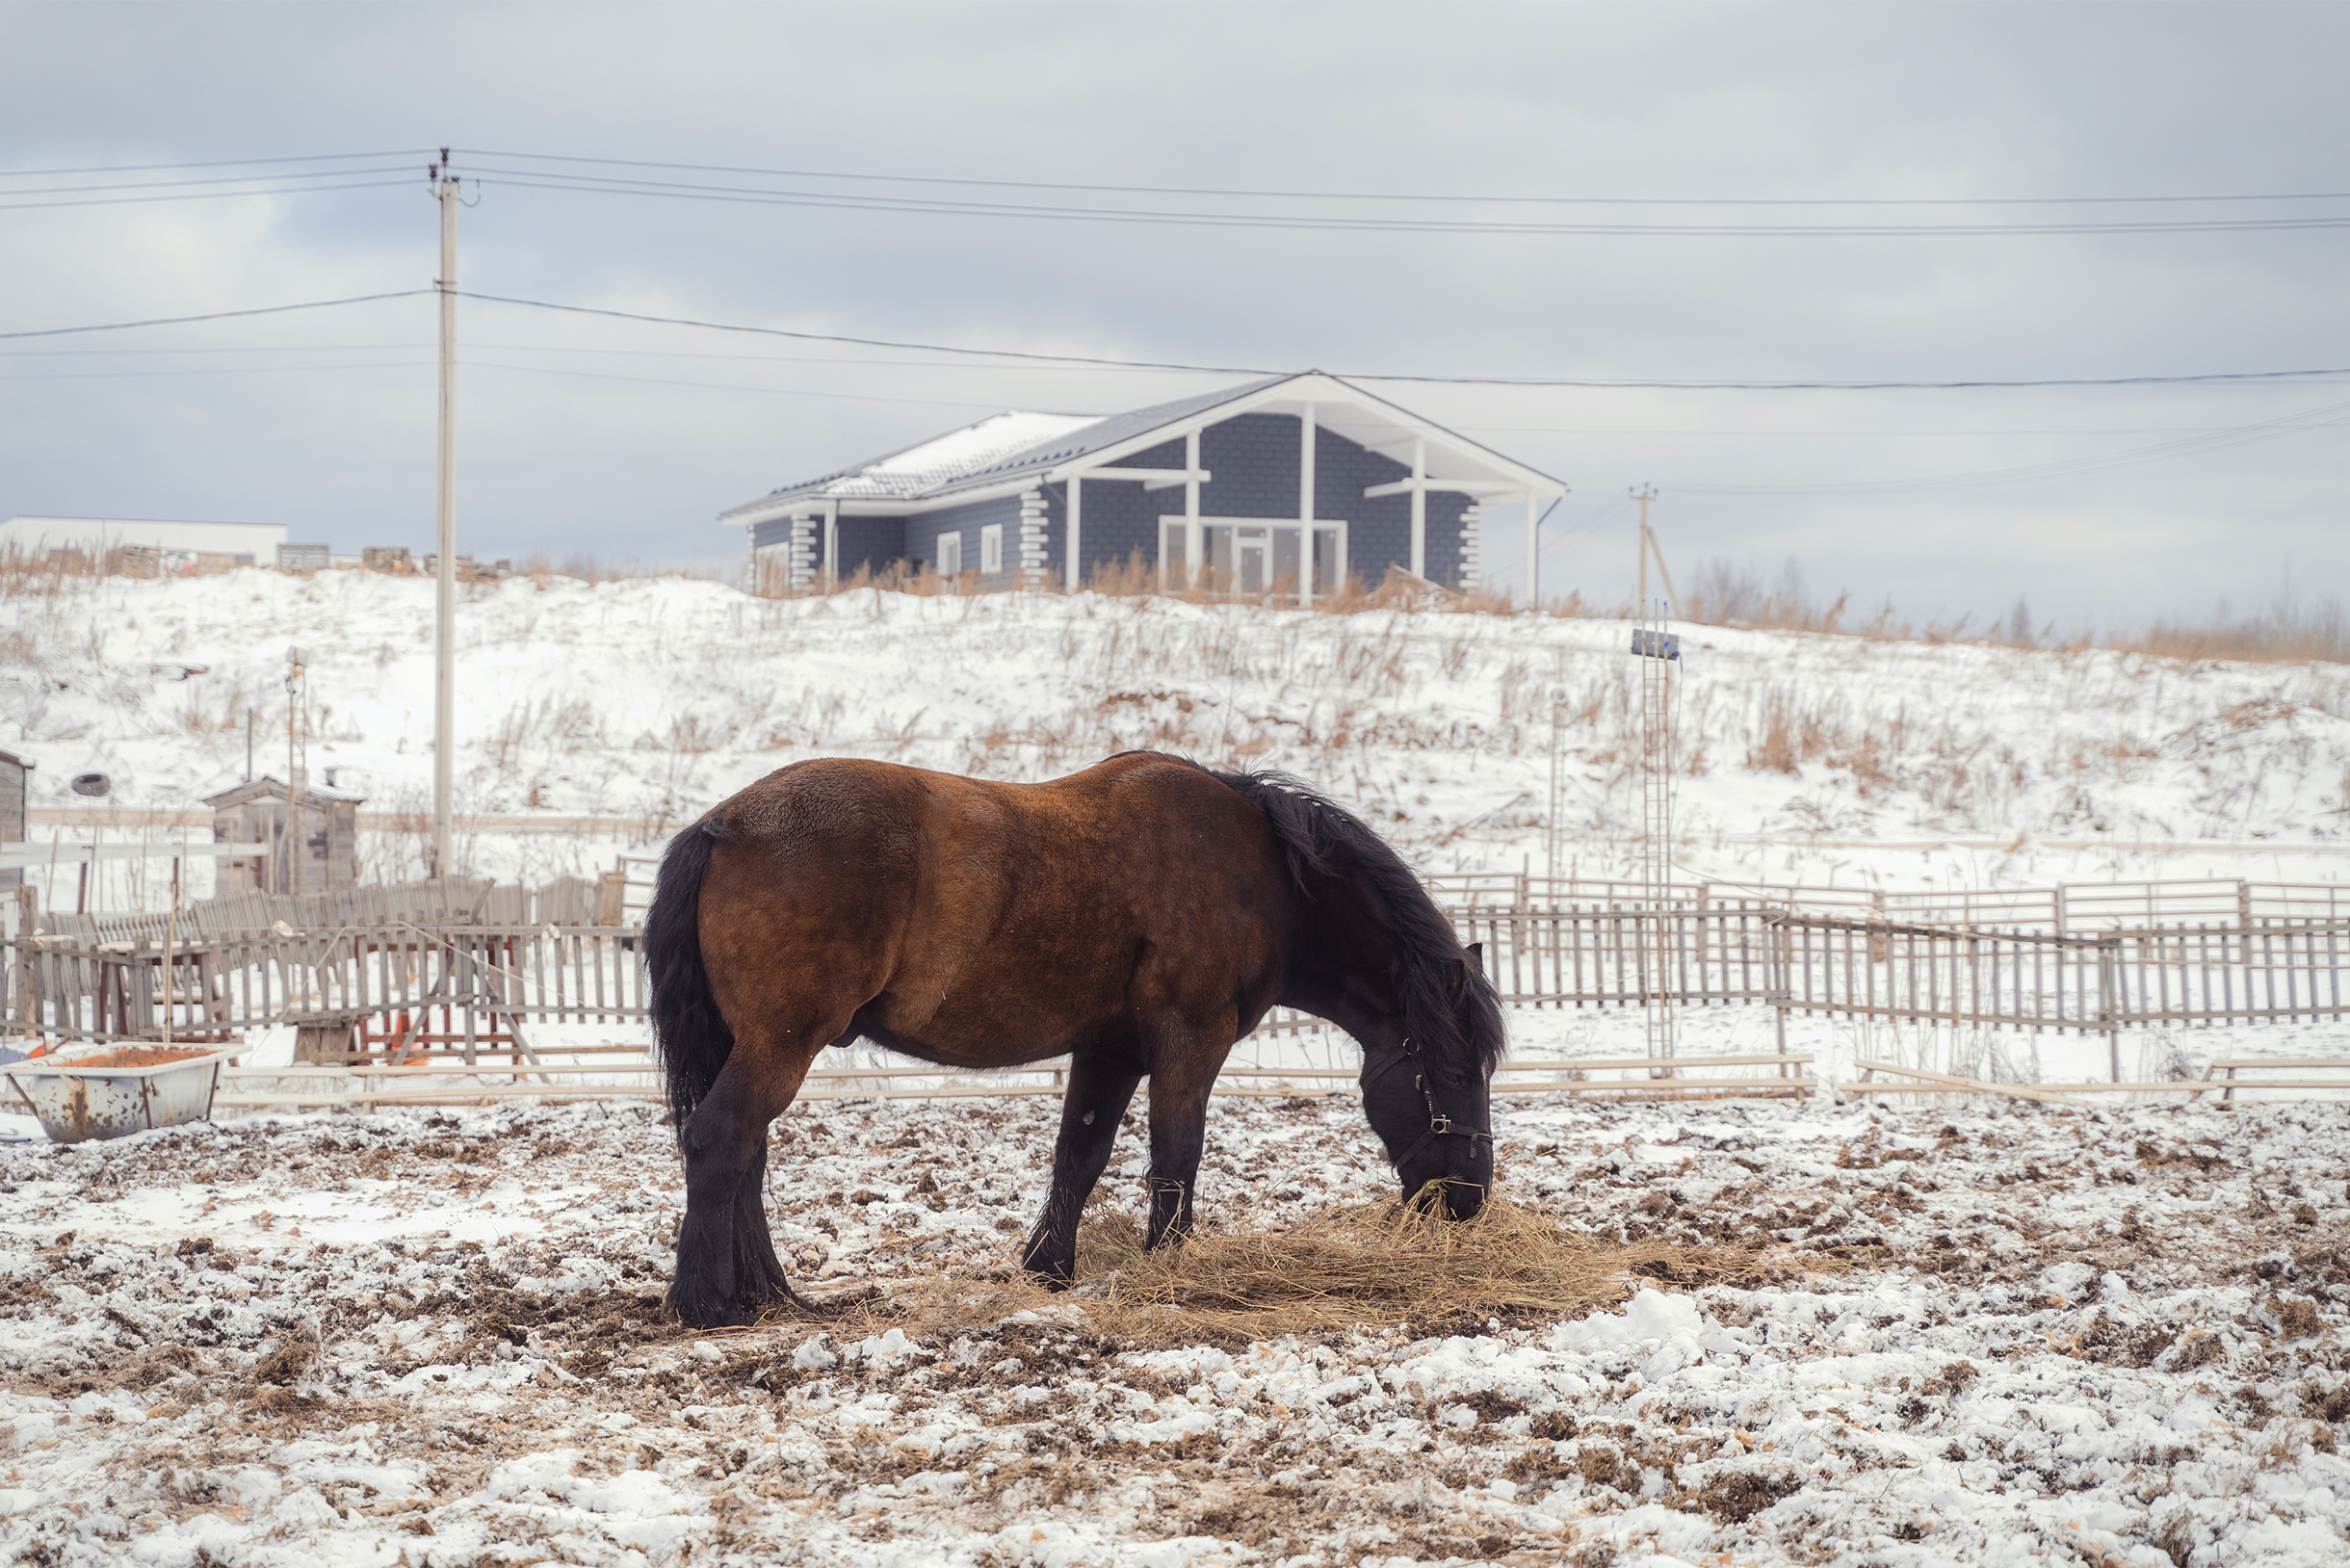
1440	1125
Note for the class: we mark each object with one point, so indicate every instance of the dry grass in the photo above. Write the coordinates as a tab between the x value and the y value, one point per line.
2289	634
1137	578
1374	1266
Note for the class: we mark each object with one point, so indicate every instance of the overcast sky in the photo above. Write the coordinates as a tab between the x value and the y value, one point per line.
578	435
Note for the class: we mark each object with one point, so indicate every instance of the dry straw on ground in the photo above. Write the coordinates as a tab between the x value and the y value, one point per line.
1375	1265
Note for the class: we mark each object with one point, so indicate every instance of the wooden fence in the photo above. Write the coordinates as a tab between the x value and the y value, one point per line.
480	980
391	984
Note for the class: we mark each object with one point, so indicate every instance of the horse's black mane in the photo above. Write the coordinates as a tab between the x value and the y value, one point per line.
1323	841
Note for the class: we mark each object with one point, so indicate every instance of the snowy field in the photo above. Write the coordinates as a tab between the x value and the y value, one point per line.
1979	1335
2044	1336
642	702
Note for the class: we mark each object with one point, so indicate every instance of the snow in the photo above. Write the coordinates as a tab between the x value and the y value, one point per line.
919	470
2113	1335
640	702
1991	1334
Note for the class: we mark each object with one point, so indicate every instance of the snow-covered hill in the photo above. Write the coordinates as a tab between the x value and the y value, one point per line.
643	701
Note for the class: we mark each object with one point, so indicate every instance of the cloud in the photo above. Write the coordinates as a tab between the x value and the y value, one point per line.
578	436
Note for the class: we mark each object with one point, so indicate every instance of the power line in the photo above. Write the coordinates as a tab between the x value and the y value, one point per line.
1610	383
215	163
216	315
1394	196
1029	357
2060	468
6	205
556	180
1232	192
208	179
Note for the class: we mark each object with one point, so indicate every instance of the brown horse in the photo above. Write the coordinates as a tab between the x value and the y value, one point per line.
1137	917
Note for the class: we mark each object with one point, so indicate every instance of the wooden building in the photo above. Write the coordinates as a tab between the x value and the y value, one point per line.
1293	484
320	827
14	796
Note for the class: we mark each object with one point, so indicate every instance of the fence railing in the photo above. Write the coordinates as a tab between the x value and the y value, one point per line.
480	979
2074	908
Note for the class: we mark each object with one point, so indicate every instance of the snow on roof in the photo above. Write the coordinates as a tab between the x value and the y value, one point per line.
936	463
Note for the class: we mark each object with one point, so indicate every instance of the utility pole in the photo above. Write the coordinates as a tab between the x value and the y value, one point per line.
444	586
1650	547
294	786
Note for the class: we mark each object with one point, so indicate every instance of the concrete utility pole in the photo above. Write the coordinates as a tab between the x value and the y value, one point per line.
1650	547
444	586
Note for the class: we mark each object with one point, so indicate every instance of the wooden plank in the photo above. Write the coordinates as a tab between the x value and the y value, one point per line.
1963	1085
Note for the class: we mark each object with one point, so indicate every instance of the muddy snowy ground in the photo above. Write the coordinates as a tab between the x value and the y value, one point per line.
433	1336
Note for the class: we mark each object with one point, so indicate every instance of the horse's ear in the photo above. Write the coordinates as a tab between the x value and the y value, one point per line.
1471	962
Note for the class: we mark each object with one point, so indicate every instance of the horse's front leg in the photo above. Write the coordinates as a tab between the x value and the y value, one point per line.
1089	1116
1179	1136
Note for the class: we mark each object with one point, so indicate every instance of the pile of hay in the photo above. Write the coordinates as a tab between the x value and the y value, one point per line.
1374	1266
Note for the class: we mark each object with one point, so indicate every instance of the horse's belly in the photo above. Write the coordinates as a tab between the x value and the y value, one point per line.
952	1040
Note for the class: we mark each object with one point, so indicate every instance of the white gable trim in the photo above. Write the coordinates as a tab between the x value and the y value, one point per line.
1328	395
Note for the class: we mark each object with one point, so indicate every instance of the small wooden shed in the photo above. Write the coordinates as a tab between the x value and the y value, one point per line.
13	817
323	826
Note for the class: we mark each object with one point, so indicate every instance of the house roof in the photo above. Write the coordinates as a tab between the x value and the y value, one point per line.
269	787
1008	448
927	467
25	763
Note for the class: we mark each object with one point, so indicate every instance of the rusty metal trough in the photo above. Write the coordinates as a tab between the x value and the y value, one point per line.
77	1102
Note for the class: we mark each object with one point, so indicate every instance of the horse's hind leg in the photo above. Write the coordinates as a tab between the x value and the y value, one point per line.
1097	1097
759	1274
723	1275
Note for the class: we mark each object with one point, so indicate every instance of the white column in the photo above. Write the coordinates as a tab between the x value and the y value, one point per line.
1533	557
1419	507
800	553
1305	507
832	543
1075	576
1191	540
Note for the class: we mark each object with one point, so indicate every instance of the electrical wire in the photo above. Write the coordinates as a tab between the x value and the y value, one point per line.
209	179
1612	384
216	315
1394	196
218	163
213	370
1023	357
721	386
2059	468
6	205
963	207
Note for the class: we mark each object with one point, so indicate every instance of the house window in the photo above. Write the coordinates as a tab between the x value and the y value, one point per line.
991	549
950	555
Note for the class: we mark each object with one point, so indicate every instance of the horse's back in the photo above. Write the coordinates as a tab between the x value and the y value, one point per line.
964	903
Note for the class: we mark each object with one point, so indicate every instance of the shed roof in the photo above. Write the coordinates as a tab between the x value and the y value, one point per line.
25	763
269	787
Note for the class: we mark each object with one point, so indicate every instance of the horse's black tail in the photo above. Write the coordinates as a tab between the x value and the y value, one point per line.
689	1032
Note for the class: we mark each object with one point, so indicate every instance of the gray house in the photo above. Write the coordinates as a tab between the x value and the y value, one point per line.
1291	483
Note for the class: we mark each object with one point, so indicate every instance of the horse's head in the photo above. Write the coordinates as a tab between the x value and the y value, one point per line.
1431	1100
